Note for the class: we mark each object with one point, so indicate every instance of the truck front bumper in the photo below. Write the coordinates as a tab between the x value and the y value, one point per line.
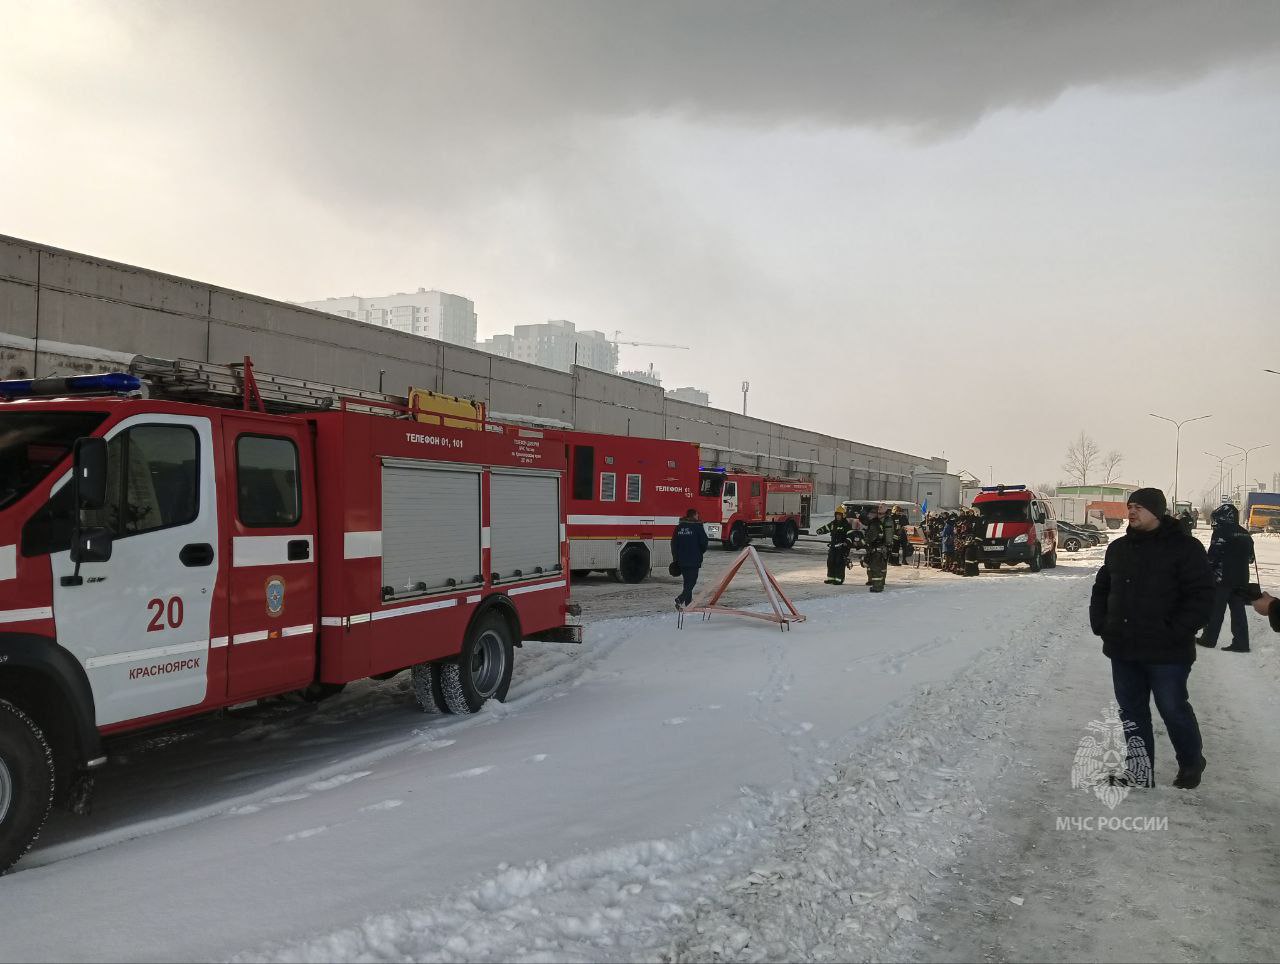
1004	550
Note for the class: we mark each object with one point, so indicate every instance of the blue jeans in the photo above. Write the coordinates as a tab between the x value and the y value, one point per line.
1222	600
1135	684
690	574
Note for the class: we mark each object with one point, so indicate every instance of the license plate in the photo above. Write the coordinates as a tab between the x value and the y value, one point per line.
994	548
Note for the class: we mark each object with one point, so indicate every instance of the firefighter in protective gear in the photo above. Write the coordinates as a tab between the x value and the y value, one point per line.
876	535
968	542
899	545
841	543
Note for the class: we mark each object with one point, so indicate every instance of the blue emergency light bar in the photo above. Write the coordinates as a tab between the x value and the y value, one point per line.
111	383
1003	488
703	468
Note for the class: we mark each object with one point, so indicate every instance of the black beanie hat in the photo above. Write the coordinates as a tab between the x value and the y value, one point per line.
1150	499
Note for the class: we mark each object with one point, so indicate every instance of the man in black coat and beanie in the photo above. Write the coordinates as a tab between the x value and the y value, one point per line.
1230	553
1153	592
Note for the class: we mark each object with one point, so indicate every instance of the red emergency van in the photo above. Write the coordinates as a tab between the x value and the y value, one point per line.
1018	526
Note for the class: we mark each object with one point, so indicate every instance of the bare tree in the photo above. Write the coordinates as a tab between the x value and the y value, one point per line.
1111	465
1082	456
1047	489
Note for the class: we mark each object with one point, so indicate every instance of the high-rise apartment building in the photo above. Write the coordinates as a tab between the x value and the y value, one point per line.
556	344
431	314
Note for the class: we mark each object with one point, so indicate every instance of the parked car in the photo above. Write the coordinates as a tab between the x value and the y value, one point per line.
1073	538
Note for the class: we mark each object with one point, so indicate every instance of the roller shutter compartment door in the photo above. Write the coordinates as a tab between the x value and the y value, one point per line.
430	529
524	524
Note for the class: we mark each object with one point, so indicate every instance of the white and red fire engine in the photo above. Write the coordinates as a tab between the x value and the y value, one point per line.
161	558
1018	526
745	506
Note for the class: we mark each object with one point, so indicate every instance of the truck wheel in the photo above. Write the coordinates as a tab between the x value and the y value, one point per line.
1051	559
425	681
633	565
784	536
26	783
1036	562
482	671
738	538
1072	544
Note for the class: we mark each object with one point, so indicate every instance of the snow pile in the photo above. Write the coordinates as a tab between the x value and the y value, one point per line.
827	869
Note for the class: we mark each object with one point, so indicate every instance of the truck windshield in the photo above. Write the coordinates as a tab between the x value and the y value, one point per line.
1004	511
33	444
711	483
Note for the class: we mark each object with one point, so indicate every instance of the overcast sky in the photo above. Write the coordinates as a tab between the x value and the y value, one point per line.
960	229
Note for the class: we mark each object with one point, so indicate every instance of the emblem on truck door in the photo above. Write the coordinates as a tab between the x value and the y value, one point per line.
275	596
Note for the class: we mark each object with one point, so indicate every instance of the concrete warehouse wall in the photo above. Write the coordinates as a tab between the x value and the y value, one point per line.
67	313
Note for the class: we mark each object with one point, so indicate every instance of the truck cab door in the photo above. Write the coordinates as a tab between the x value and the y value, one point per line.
1045	534
141	622
271	549
728	501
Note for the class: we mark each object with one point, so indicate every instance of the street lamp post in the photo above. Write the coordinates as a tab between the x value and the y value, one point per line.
1221	459
1177	445
1245	474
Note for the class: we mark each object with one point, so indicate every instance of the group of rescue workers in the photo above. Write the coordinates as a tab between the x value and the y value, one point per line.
952	542
881	534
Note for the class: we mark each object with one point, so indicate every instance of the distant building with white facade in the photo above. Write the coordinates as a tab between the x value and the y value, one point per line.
504	345
431	314
649	377
556	344
694	396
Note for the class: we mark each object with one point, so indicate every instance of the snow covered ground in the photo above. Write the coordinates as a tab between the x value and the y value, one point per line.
885	781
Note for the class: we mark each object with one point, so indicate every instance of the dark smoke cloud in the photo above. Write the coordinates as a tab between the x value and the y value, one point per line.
397	95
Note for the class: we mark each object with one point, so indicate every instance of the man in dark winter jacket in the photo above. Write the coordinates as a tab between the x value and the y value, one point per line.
1153	592
688	546
1230	554
1188	521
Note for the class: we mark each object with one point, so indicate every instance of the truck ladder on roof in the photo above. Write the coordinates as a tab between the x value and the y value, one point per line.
187	380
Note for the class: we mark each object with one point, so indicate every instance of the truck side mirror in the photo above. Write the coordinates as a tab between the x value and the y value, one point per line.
90	479
91	545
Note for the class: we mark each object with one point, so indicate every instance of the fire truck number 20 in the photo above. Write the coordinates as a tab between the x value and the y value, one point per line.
165	615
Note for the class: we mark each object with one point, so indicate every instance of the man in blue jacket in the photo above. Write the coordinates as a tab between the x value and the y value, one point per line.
688	546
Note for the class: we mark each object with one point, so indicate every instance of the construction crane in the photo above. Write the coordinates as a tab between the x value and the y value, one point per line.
646	344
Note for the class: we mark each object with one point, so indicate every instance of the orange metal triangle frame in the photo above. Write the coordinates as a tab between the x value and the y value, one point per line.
784	611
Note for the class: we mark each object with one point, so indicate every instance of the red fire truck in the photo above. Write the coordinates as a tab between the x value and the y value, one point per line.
161	558
625	497
627	494
744	506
